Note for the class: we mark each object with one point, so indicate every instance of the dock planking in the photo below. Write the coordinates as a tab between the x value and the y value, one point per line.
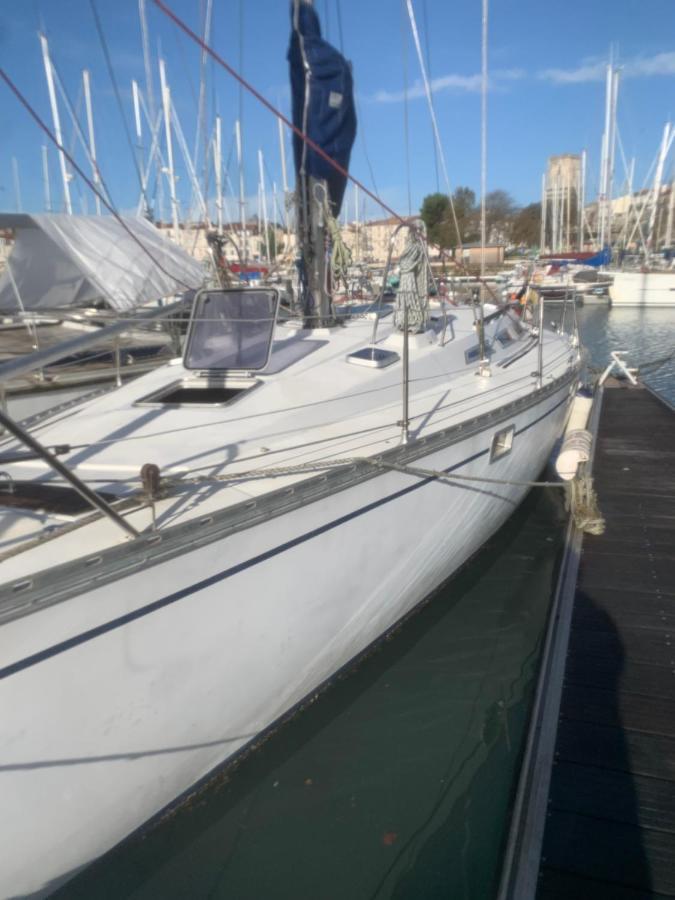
610	829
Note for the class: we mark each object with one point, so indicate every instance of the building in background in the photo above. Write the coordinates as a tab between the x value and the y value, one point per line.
561	194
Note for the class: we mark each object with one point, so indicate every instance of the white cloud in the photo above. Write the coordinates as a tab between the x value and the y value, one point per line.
595	70
452	83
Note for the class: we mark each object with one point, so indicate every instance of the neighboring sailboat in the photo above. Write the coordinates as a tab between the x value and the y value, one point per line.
203	548
652	288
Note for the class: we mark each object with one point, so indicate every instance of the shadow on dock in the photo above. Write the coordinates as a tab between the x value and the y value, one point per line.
610	829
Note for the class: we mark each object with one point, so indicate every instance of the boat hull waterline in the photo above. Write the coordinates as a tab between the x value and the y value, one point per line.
188	661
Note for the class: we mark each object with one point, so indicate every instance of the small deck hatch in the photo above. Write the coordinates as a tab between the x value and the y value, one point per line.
206	391
373	357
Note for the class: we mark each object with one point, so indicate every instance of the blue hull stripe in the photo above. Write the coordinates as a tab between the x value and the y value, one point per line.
142	611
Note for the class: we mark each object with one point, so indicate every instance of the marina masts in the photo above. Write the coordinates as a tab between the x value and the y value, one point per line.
666	141
242	193
49	75
166	106
90	133
45	179
607	158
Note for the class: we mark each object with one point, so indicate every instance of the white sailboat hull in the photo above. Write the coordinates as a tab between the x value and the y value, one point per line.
117	700
643	289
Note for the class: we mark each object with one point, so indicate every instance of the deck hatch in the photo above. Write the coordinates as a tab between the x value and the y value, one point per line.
204	391
373	357
231	329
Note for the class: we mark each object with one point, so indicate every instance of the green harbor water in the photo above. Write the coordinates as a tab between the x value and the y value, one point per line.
397	782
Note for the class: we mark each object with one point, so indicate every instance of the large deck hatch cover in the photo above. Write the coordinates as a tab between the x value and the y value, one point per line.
231	329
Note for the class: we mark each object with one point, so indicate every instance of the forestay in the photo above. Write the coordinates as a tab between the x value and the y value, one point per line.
87	258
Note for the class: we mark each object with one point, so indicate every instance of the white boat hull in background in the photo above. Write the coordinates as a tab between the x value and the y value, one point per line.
643	289
116	707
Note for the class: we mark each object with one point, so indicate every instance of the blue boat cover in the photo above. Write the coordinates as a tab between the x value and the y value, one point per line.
331	116
603	258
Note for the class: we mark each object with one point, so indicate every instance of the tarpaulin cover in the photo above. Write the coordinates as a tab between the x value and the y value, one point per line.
60	260
331	118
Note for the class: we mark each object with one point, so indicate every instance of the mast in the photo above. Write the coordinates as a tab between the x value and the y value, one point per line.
671	210
201	103
629	190
264	203
568	200
45	179
166	105
658	177
581	199
611	147
357	255
17	185
542	236
90	132
284	177
242	194
483	145
217	165
604	159
49	75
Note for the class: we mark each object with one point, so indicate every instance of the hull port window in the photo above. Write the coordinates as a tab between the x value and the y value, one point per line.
505	338
502	442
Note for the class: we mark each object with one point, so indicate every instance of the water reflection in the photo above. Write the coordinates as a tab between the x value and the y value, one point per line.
648	334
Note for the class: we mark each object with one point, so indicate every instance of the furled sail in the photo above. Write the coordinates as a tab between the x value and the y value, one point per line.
322	96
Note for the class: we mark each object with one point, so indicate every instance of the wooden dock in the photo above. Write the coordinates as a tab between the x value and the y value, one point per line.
595	813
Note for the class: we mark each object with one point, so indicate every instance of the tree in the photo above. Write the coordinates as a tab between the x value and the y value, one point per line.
464	201
437	215
526	225
276	246
499	210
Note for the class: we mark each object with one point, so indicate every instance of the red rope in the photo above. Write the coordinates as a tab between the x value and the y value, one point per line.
249	87
22	100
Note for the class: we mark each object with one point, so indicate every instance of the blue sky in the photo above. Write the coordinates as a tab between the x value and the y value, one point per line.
547	90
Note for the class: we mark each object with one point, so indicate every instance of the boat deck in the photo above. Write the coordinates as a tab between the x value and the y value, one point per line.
610	828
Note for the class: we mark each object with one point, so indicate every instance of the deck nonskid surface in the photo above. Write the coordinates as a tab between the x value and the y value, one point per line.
316	408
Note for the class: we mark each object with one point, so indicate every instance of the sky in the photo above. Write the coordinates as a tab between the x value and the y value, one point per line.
546	94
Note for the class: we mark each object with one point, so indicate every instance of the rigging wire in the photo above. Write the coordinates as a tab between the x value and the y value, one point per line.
432	112
118	98
406	128
425	20
109	206
307	141
338	12
483	135
269	106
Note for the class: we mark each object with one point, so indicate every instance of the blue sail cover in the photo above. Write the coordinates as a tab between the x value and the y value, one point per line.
603	258
331	116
